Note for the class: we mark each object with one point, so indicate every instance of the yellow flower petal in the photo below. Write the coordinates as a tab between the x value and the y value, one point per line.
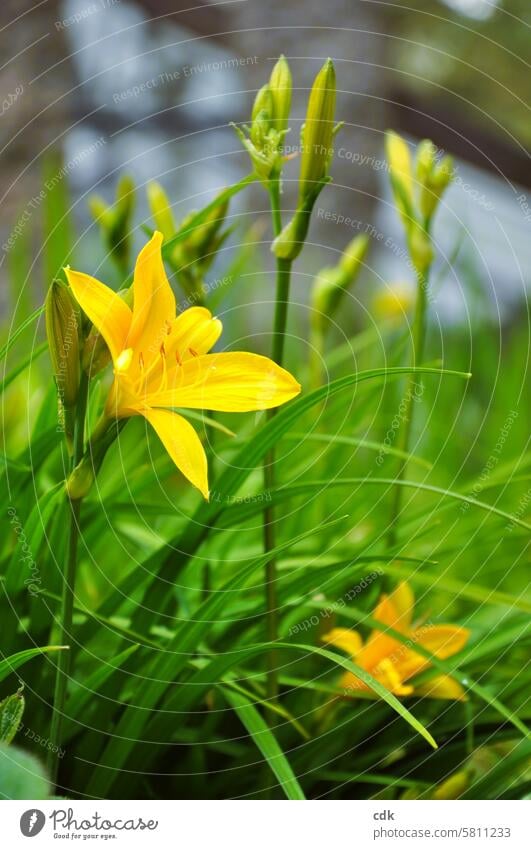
380	644
345	639
388	674
194	332
441	687
230	382
403	601
105	309
182	444
154	302
441	640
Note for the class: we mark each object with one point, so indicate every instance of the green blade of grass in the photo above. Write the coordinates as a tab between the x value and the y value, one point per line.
79	701
9	664
4	350
167	665
318	486
333	439
488	786
22	366
265	742
459	589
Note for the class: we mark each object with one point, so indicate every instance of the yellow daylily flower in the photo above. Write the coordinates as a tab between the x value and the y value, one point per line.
161	361
393	663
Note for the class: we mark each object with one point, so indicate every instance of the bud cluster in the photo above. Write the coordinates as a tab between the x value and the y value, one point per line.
317	138
417	189
191	257
115	221
331	283
269	123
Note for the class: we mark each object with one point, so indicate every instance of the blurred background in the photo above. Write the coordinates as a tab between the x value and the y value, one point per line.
151	87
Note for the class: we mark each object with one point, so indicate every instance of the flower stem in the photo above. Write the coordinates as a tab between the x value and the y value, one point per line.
277	354
419	333
67	596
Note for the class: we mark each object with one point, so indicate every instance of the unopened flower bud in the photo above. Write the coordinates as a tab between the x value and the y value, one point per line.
80	481
433	178
401	176
289	243
425	161
318	131
62	329
115	221
280	88
331	283
263	104
160	208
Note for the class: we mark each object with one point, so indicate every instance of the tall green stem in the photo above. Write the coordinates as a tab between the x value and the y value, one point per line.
67	595
277	354
419	334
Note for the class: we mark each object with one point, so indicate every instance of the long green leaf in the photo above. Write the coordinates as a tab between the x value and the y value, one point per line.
337	439
22	366
79	701
265	742
9	664
4	350
459	589
168	664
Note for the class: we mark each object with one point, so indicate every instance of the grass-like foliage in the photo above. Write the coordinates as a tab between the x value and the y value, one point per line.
321	598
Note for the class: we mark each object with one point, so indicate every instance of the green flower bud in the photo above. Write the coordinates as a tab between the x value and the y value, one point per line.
263	104
318	130
204	239
160	208
331	283
62	319
115	221
263	140
80	481
280	87
289	243
425	161
400	170
433	178
264	157
444	174
100	211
